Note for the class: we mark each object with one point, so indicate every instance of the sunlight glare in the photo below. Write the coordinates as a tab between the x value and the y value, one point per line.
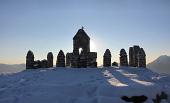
93	46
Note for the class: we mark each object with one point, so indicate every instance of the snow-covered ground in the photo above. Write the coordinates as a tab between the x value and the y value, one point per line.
85	85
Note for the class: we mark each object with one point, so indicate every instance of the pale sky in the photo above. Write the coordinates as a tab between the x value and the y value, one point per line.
49	25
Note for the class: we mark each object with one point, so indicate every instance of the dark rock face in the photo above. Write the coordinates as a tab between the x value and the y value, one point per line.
83	58
81	40
141	58
32	64
114	64
131	56
137	57
68	59
30	60
44	64
107	58
50	59
37	64
60	59
123	58
135	99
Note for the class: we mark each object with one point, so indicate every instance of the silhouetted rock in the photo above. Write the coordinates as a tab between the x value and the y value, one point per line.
114	64
30	60
131	56
60	59
135	99
37	64
91	59
83	58
141	58
137	57
107	58
50	59
44	64
68	59
123	58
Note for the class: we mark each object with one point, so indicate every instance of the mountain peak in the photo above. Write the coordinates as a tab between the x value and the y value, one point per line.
161	64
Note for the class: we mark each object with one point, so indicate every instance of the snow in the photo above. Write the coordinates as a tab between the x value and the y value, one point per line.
82	85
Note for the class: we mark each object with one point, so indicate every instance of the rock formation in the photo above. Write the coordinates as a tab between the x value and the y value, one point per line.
123	58
107	58
50	59
83	58
131	56
44	64
68	59
137	57
136	49
115	64
141	58
60	59
30	60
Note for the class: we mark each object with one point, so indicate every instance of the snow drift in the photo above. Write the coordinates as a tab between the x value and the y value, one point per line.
85	85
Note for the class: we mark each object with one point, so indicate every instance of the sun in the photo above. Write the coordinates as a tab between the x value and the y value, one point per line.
92	46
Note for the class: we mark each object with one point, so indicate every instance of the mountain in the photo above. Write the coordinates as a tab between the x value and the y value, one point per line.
11	68
84	85
161	64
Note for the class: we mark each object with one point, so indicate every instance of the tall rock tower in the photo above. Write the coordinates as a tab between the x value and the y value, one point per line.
123	58
50	60
107	58
81	57
60	59
135	55
131	56
30	60
141	58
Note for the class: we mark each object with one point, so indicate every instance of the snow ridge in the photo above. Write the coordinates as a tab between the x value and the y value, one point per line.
85	85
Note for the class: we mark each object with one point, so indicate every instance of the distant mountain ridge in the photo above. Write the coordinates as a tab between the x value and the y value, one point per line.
11	68
161	64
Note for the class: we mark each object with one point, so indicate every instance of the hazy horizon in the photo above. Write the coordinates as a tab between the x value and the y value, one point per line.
49	25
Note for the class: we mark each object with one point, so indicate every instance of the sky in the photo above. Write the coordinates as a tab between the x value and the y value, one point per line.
49	25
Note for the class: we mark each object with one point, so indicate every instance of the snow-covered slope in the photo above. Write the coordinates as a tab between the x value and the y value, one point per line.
86	85
161	64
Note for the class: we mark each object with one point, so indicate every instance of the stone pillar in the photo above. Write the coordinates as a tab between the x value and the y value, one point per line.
60	59
135	55
30	60
131	56
123	58
141	58
50	59
107	58
68	59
